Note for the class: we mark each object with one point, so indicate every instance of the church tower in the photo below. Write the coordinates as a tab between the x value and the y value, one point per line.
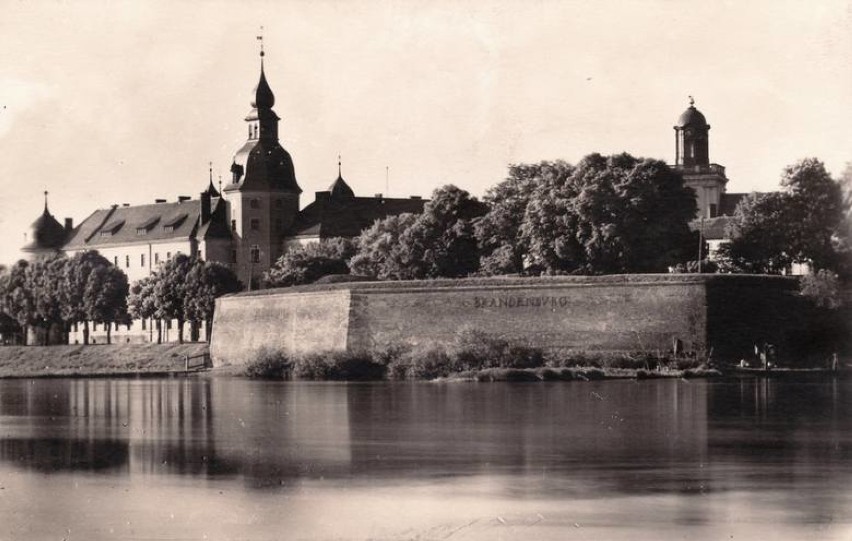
263	195
692	159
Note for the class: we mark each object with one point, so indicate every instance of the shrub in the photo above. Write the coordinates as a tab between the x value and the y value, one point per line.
474	350
338	365
425	361
267	363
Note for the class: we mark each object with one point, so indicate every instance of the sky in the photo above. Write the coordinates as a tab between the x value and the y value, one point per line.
117	102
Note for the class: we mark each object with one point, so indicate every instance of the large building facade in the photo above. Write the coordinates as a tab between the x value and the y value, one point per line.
246	225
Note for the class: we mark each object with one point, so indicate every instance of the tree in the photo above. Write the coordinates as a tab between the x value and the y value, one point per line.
205	282
75	284
44	279
142	302
170	290
16	300
498	231
610	214
378	249
438	242
105	297
804	223
310	262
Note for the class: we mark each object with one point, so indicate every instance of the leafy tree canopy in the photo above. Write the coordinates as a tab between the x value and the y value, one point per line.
310	262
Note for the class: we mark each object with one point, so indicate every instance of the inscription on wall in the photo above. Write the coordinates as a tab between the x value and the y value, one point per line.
521	302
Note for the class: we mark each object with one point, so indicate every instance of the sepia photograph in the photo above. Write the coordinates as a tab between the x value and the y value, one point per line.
449	270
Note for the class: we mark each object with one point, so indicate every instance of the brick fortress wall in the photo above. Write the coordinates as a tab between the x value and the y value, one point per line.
612	313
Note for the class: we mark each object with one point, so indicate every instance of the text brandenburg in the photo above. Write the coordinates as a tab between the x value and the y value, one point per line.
520	302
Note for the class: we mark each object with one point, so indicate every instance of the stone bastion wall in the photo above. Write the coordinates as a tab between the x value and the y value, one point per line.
728	313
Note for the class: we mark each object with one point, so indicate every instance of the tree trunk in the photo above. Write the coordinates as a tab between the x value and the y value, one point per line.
180	331
208	329
109	332
193	331
86	332
159	331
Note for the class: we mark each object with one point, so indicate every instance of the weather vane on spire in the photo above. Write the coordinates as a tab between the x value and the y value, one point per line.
339	170
691	101
260	39
45	200
211	172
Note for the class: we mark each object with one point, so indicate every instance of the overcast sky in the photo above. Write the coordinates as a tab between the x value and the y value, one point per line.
125	102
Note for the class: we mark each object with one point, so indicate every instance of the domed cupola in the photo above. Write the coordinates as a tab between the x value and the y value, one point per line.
691	138
46	235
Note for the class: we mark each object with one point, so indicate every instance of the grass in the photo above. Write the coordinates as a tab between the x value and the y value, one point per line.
95	360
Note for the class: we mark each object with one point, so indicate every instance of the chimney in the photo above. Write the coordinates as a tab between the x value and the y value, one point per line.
125	204
159	200
182	198
416	197
205	207
322	196
69	224
378	196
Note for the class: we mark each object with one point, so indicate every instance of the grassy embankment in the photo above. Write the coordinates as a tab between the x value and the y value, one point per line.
96	360
475	357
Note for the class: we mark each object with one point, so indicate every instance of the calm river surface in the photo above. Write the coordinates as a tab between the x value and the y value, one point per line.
237	459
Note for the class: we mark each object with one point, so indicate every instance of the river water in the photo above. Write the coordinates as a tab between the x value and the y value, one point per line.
227	458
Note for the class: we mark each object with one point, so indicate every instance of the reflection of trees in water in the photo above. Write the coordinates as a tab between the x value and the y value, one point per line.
56	455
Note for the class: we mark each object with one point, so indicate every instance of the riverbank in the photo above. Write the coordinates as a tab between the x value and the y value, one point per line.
97	360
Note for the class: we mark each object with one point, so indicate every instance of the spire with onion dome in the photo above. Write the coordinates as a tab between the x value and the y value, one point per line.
46	235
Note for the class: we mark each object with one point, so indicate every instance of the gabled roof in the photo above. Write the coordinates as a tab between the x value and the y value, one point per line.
142	223
330	217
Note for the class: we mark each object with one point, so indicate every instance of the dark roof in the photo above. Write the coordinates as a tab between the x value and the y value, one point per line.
729	201
128	224
45	233
329	217
263	165
712	228
340	190
692	117
217	226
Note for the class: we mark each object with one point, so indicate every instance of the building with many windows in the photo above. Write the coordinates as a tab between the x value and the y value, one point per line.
246	225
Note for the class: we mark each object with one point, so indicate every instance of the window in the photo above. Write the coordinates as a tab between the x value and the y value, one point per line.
157	258
233	225
142	259
279	203
278	225
713	210
255	224
168	255
115	261
254	203
127	261
233	256
255	254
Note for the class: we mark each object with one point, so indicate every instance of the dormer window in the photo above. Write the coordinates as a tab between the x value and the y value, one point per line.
145	227
173	223
111	228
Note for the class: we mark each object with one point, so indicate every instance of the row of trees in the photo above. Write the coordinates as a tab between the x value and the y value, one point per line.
52	294
607	214
184	289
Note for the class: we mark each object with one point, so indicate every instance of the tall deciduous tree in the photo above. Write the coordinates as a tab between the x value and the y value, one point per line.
804	223
142	302
379	252
611	214
170	290
205	282
498	232
75	285
105	298
16	299
308	263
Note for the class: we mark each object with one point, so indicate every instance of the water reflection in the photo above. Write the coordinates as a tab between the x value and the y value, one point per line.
557	441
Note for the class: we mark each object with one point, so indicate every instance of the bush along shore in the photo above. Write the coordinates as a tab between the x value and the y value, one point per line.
474	357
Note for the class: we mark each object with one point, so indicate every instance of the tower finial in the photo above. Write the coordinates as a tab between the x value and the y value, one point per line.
211	172
691	101
339	170
260	39
220	183
45	200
